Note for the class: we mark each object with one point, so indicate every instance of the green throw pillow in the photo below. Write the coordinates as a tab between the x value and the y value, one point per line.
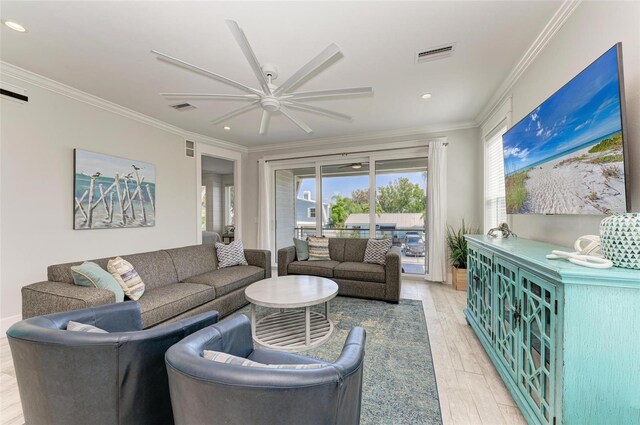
302	249
92	275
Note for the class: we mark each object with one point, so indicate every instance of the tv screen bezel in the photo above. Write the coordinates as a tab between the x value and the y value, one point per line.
623	126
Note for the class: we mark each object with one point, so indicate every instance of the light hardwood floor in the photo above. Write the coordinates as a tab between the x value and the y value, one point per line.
470	389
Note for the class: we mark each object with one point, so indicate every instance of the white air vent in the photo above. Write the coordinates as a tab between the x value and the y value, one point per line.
433	53
189	149
183	107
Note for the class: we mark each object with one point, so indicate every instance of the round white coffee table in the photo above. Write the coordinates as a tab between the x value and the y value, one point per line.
292	328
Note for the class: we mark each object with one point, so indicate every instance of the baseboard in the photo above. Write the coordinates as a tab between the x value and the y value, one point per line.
6	322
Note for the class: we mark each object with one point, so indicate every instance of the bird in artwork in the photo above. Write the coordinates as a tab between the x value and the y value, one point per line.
136	168
96	175
128	176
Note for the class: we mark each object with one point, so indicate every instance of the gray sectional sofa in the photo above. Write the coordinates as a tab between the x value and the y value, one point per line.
179	283
347	268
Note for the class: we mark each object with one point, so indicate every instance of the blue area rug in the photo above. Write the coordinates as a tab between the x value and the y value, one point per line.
399	380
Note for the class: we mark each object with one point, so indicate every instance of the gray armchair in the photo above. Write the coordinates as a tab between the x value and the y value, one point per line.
119	377
205	392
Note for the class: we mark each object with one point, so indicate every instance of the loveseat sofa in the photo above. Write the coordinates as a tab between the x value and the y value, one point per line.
347	268
179	283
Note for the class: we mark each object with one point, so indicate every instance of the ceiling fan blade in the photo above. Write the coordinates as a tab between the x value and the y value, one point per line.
204	72
213	96
317	110
264	123
309	68
241	39
297	121
235	112
330	93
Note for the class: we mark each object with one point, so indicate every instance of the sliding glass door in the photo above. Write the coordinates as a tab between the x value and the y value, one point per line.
345	196
401	205
295	205
374	195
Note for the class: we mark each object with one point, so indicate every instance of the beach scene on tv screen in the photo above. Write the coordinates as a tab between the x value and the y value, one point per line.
566	157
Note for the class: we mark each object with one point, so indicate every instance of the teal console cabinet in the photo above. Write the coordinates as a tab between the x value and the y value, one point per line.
564	338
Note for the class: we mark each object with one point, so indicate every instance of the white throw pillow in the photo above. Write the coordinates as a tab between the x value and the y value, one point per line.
220	357
230	255
127	277
376	252
83	327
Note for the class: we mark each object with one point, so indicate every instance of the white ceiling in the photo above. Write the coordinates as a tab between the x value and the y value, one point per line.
103	48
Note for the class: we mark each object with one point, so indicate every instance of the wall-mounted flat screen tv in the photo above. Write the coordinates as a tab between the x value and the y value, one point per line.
568	155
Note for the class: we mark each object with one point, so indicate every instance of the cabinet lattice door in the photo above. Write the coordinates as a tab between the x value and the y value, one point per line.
505	304
473	286
485	293
537	344
479	289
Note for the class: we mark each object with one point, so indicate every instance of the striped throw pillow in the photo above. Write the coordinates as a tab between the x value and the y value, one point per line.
83	327
318	249
376	252
230	255
217	356
127	277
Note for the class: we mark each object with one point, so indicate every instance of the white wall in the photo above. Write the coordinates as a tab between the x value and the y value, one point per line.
36	199
464	184
591	30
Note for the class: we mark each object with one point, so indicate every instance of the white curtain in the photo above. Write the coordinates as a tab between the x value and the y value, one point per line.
437	212
264	205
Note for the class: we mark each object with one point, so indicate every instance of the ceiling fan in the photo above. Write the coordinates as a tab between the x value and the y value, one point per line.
270	97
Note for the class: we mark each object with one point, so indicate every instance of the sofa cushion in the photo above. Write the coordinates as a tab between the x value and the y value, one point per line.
229	279
83	327
336	249
127	277
318	249
376	251
354	250
155	268
62	272
302	249
365	272
231	254
164	302
193	260
313	268
92	275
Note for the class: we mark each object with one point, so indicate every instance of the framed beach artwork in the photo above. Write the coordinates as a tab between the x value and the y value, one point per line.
112	192
568	155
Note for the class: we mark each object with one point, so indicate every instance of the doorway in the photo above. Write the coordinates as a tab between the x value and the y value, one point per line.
218	195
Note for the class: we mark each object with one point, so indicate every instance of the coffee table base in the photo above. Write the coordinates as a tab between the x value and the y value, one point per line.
291	330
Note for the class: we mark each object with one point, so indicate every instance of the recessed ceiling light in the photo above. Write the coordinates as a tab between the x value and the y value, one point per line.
226	127
356	166
426	96
14	26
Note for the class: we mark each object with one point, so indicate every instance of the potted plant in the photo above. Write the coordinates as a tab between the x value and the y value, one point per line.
458	254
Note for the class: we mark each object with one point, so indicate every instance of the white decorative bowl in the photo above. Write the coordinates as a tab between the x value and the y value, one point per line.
620	236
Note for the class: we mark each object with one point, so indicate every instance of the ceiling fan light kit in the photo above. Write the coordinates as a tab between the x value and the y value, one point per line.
269	97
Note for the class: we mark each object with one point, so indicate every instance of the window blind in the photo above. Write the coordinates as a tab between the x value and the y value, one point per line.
494	192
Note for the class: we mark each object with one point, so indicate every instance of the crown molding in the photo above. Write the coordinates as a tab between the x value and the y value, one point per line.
21	74
406	135
556	22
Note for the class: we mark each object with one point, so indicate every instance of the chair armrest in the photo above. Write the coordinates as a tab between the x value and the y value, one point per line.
352	356
232	336
52	297
393	274
259	258
285	256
